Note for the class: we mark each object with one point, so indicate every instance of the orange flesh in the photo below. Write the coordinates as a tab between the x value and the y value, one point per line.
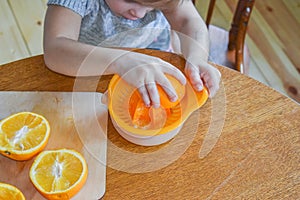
146	117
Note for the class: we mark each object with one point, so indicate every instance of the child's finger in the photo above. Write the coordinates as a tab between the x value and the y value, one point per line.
153	94
211	80
212	89
194	77
144	94
168	88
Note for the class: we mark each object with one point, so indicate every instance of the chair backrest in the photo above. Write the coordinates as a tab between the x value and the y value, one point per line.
238	28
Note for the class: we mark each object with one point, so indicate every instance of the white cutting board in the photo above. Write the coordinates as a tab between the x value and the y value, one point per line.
78	120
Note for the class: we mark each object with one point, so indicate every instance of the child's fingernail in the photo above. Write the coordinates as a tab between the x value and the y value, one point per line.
199	87
173	99
147	103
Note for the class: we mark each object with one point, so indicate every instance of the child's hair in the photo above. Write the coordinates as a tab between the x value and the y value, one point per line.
159	4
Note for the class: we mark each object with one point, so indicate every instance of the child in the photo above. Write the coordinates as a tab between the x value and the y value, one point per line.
75	29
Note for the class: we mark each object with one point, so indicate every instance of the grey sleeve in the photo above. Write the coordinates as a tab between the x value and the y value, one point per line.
78	6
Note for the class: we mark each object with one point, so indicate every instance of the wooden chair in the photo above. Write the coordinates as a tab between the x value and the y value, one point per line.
228	48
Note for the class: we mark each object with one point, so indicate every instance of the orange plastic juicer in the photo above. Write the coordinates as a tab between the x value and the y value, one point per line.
164	124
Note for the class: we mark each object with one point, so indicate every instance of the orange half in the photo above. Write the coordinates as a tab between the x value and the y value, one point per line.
59	174
23	135
10	192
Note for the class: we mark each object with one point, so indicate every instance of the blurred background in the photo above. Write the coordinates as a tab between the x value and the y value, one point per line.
273	37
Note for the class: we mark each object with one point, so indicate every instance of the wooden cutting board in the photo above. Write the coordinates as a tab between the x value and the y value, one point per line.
78	120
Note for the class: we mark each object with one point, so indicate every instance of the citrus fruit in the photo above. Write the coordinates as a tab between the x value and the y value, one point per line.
141	116
10	192
148	117
58	174
134	100
158	117
23	135
180	91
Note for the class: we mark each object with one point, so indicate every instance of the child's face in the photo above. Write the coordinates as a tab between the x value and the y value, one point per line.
128	9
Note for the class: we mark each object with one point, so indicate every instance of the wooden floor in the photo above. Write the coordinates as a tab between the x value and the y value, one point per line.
273	37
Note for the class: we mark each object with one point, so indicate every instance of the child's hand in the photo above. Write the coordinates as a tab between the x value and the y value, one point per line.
144	72
202	73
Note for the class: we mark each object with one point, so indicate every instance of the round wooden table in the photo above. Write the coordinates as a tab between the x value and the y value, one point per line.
242	144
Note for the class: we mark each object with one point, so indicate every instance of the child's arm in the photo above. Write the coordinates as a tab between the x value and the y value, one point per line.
64	54
194	45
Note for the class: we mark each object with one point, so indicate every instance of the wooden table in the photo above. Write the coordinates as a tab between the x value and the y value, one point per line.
242	144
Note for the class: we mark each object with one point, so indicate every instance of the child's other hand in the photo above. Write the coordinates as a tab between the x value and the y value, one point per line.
201	74
144	72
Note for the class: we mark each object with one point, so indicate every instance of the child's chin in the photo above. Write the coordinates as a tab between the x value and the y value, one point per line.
131	18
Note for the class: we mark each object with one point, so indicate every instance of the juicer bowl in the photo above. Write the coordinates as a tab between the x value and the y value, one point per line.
119	93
